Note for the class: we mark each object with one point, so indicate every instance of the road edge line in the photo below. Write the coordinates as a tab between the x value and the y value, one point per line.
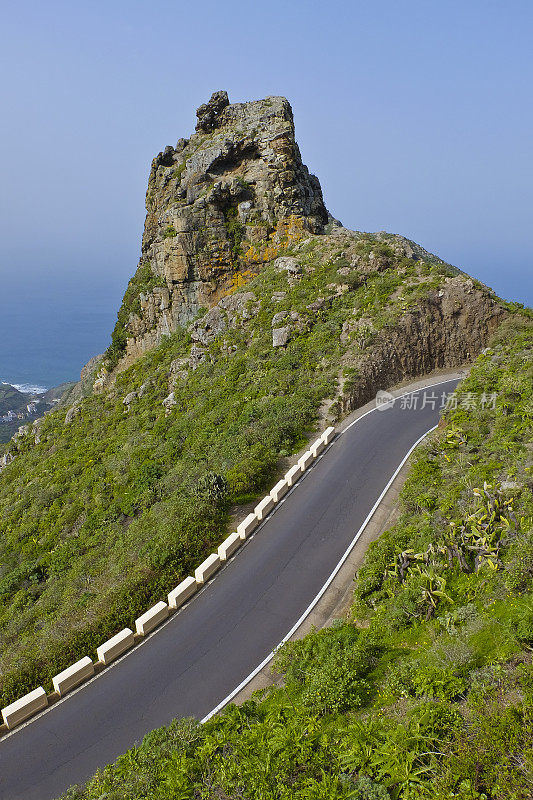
18	728
331	578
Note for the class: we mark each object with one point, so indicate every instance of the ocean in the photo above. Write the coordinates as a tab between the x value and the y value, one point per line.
51	326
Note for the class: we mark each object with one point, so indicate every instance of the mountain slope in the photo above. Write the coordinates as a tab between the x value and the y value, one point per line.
426	689
106	506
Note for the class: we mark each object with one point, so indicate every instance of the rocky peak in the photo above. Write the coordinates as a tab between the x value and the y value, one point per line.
219	205
208	113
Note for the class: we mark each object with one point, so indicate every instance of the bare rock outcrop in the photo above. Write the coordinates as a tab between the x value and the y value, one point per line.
228	313
169	403
448	328
236	196
281	336
71	414
219	203
85	385
5	460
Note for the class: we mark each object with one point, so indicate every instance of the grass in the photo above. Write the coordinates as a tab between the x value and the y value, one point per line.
106	514
394	702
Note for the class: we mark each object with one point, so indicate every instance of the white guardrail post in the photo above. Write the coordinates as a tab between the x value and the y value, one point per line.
247	526
25	707
263	508
229	546
69	678
305	461
151	618
72	676
317	447
207	568
293	475
182	592
114	647
328	435
279	490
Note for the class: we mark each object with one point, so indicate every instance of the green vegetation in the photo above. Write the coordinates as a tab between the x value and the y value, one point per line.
143	281
236	231
180	169
425	690
11	399
106	514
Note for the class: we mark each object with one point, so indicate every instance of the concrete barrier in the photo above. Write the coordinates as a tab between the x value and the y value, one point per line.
293	475
247	526
305	461
281	488
328	435
264	507
151	618
229	545
317	447
207	568
69	678
114	647
182	592
25	707
73	676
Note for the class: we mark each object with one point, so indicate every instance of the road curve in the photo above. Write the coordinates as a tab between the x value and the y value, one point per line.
203	652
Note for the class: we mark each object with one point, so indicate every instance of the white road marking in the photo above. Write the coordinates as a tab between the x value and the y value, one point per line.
313	603
265	661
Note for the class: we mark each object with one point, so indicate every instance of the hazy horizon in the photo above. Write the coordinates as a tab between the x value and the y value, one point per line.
416	119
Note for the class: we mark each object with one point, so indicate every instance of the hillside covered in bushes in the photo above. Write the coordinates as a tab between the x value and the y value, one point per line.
254	319
106	506
253	316
425	689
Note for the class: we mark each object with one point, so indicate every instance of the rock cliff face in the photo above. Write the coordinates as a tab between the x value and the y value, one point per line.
449	328
219	205
236	197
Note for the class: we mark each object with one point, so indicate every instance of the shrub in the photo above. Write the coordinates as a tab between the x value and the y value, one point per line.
416	679
212	487
328	668
362	788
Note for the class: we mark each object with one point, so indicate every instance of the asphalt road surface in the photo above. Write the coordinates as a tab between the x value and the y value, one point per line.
189	665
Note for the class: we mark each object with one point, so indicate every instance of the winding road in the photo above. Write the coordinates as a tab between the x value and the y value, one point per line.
198	657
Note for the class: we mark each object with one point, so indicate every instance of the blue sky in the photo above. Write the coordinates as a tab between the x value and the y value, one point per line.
416	116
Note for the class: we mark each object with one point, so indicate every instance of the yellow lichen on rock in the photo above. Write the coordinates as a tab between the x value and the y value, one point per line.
232	197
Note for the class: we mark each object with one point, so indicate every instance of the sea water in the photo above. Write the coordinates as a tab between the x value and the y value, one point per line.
51	327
